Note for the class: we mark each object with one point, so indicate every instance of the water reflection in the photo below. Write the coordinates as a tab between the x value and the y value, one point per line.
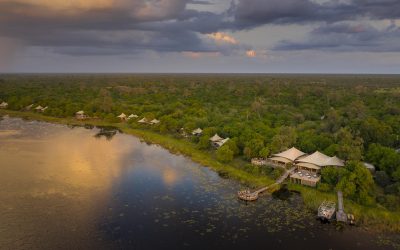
63	188
107	132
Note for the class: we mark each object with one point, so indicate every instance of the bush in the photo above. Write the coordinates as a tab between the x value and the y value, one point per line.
324	187
382	179
224	154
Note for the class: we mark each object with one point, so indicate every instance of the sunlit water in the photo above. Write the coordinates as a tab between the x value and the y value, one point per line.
74	188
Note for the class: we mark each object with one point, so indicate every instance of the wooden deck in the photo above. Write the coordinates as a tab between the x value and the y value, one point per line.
340	214
247	195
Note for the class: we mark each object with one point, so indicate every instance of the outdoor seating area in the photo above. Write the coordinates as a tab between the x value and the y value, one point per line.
305	177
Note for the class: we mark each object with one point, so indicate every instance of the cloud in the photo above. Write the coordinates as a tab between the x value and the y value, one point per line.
8	49
348	37
252	13
222	37
251	53
197	55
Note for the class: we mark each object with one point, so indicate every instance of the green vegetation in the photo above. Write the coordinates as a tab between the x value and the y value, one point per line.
356	118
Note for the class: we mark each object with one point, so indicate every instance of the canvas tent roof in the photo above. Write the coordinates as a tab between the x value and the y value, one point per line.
133	116
280	159
3	104
222	142
308	165
122	115
216	138
155	121
320	159
39	107
369	165
290	154
197	131
334	161
80	112
143	120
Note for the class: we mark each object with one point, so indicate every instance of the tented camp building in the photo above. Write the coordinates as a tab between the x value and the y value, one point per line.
80	115
218	141
143	120
197	132
122	116
3	105
286	157
132	116
316	161
154	121
308	168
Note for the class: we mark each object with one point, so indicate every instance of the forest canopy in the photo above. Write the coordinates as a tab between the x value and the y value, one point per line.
356	118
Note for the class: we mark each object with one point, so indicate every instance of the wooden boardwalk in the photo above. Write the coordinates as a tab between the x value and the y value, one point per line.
340	214
247	195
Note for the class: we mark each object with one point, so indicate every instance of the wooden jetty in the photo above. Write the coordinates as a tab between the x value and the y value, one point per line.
340	214
247	195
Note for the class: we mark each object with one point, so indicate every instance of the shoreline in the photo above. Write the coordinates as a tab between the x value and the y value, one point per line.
376	218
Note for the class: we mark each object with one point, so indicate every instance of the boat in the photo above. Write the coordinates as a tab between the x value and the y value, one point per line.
326	211
350	219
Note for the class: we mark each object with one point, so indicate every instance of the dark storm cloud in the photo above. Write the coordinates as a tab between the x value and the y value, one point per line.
113	30
347	37
251	13
131	26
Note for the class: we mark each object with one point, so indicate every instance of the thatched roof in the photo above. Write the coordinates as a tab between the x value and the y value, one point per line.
216	138
321	160
290	154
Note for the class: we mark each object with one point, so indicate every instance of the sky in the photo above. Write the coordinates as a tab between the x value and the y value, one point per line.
200	36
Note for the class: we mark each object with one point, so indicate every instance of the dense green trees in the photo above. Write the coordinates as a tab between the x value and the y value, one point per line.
354	180
355	118
224	154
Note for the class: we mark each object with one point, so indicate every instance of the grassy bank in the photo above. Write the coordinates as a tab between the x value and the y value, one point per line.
374	217
170	143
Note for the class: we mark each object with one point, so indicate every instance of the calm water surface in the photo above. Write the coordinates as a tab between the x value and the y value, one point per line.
77	188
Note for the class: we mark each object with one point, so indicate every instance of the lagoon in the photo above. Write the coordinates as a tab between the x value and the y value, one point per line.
95	188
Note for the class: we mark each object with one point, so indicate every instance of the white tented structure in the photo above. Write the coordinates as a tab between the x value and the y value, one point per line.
288	156
122	116
39	108
3	105
197	132
132	116
143	120
218	141
154	121
317	160
80	115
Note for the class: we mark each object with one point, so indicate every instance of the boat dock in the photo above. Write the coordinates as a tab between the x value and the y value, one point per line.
340	214
247	195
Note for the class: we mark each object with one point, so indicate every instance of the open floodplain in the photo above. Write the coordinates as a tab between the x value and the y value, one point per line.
91	188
